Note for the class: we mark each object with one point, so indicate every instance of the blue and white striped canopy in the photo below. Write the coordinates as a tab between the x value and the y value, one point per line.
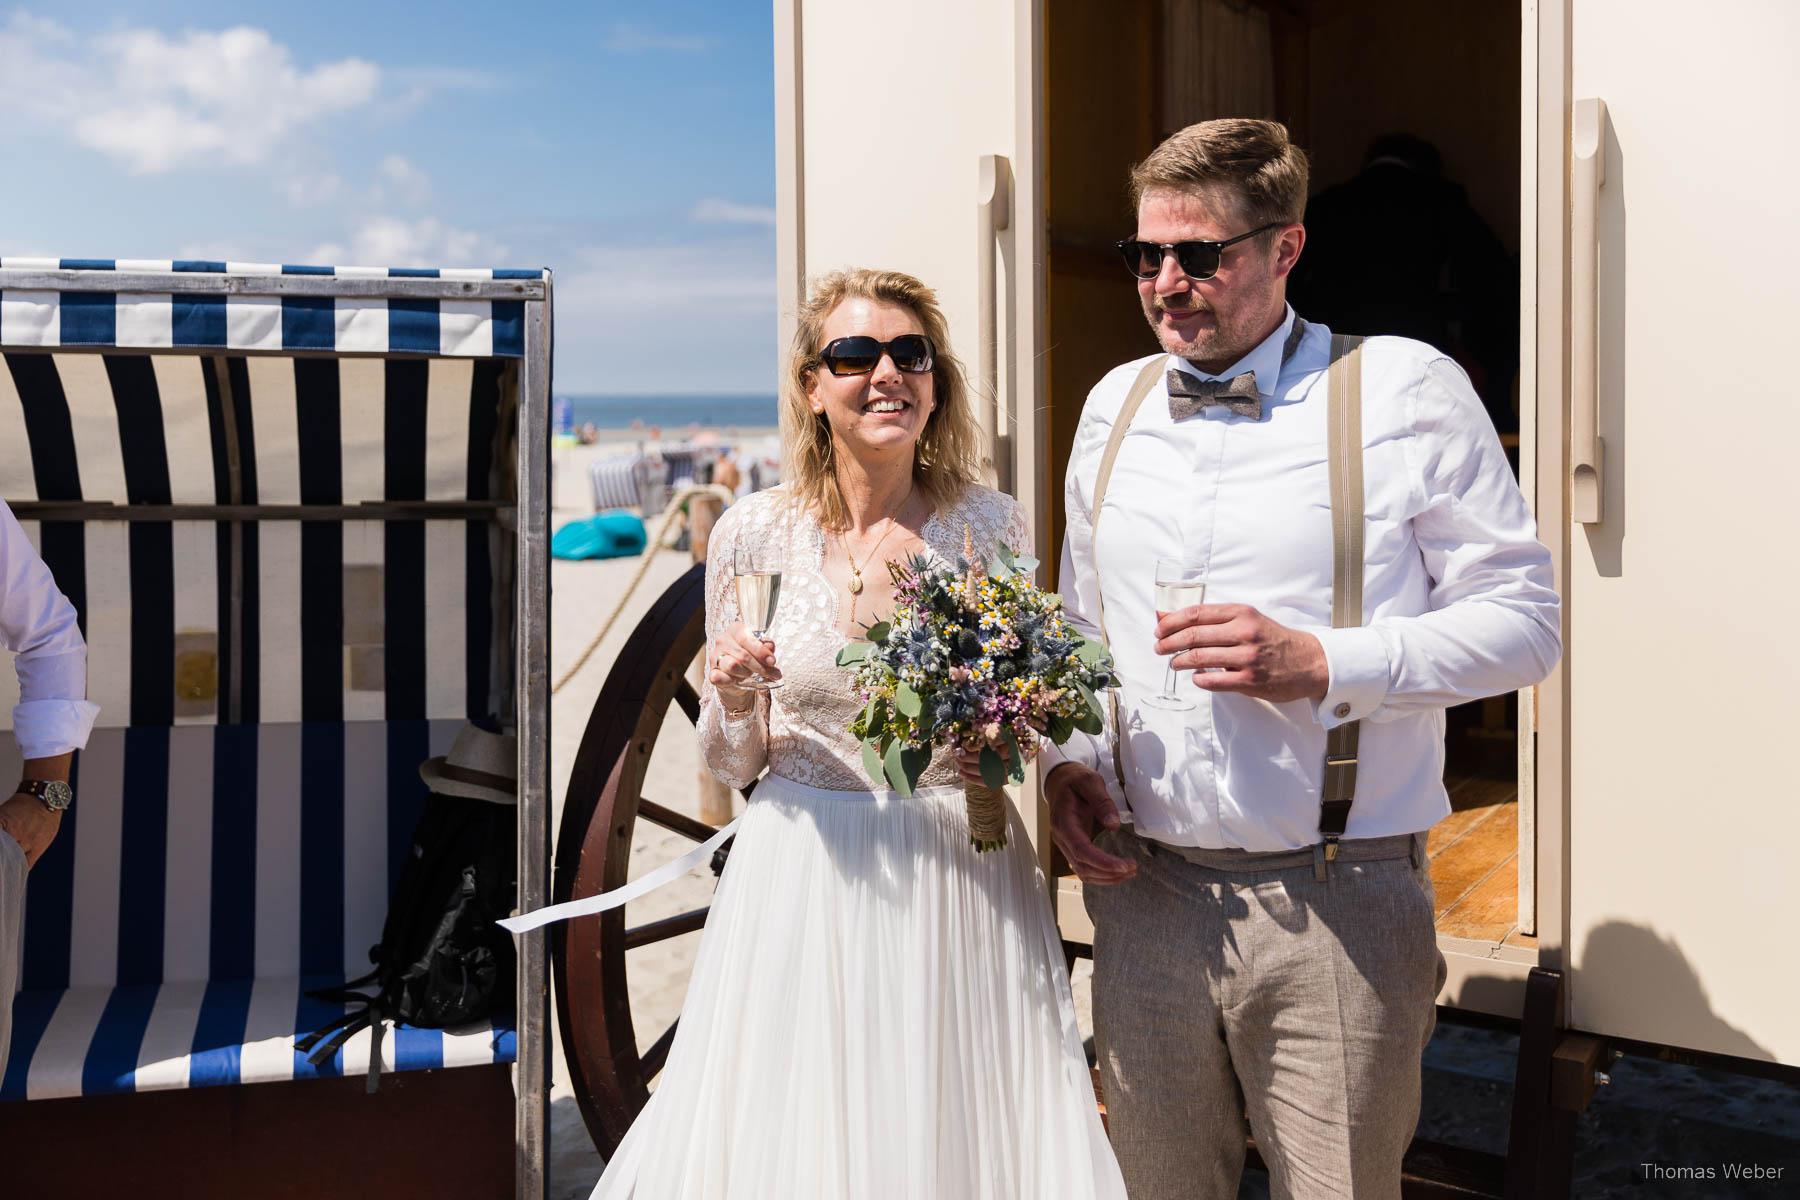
238	318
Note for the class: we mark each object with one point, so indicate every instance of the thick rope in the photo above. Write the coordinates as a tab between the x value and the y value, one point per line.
650	548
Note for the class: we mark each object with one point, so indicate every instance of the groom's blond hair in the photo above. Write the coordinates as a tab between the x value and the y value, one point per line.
1254	161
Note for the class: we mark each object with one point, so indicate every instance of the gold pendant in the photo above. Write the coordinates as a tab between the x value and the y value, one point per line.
856	583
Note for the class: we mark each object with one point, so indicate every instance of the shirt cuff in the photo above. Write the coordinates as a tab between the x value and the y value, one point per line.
1078	749
46	728
1357	662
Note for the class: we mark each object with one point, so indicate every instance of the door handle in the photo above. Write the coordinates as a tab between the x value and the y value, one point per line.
1587	451
994	213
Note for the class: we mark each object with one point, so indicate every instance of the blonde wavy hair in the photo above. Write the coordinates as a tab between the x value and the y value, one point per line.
947	456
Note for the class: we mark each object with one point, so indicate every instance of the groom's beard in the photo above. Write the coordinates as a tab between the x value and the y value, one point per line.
1227	338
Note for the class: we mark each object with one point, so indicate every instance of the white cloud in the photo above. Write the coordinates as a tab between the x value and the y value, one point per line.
154	102
428	242
304	189
714	210
398	181
635	39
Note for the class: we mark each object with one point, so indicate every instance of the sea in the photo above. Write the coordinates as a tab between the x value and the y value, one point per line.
720	411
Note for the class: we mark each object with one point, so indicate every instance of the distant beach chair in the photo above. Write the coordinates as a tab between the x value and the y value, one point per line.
762	464
679	466
617	481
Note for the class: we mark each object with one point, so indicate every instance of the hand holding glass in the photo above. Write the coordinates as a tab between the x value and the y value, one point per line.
1180	583
757	574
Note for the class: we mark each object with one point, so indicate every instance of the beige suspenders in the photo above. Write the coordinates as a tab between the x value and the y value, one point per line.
1133	401
1344	433
1346	468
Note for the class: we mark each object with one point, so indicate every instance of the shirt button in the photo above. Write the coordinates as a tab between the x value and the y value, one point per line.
1342	711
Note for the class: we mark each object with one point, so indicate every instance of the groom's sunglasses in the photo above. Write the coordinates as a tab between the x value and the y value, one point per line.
1199	260
911	353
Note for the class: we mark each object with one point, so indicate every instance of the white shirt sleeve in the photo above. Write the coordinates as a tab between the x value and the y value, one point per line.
38	624
1494	620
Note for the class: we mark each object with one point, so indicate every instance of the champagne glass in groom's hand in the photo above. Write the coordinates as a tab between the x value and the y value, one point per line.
1180	583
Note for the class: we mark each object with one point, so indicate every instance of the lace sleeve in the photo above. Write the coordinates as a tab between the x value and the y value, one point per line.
735	748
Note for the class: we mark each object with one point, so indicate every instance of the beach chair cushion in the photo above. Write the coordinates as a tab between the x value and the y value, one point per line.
206	879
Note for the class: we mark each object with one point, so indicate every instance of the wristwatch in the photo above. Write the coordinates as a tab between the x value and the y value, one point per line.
55	794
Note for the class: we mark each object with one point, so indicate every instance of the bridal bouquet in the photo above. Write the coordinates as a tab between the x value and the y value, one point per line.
975	658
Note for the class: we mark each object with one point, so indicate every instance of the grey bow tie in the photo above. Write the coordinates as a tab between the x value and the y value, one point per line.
1188	395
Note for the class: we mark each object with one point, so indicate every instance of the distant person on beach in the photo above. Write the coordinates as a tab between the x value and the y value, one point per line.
725	473
50	723
874	1010
1251	830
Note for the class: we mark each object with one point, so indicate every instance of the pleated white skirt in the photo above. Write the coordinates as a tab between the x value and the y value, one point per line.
876	1012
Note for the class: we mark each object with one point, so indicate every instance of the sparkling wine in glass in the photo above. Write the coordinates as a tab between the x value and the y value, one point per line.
757	576
1180	583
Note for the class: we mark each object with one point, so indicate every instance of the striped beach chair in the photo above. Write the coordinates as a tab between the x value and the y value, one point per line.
291	540
616	481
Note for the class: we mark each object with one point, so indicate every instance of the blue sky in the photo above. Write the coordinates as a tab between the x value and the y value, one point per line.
627	145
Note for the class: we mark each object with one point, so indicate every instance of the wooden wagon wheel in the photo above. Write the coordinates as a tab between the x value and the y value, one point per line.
604	803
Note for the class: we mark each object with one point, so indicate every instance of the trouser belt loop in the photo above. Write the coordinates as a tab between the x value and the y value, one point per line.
1418	849
1319	861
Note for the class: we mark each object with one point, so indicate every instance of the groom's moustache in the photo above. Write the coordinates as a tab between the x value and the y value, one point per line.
1198	306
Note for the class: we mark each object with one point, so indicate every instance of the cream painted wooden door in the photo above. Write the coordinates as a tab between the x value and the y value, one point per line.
1683	662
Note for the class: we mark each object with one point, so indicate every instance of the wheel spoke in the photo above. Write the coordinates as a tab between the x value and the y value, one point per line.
652	1059
663	930
675	822
689	699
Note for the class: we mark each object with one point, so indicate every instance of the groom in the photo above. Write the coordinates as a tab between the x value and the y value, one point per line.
1254	971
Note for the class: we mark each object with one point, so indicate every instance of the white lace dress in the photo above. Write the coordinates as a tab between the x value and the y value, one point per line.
876	1011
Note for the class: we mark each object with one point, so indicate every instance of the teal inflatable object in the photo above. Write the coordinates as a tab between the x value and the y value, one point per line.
615	534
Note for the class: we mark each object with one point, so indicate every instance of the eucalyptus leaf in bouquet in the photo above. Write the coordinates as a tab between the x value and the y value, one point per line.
977	658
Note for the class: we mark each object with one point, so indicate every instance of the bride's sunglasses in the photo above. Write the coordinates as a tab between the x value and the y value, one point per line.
1199	260
911	353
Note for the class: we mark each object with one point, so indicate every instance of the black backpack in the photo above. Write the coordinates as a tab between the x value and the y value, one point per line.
441	961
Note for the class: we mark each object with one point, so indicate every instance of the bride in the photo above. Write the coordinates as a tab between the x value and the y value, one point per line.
877	1011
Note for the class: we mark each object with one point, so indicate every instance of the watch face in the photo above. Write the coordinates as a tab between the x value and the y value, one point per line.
57	795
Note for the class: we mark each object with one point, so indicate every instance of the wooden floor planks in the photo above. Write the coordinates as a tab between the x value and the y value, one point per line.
1474	856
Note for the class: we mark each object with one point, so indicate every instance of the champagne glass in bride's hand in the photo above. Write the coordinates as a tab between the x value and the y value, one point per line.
756	572
1180	583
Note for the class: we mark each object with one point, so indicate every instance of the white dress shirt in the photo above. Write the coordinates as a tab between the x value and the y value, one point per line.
38	624
1458	601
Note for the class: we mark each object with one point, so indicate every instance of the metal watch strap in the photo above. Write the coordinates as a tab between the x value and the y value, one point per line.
1134	399
1345	464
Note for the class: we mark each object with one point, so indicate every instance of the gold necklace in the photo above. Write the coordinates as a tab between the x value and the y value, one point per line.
855	585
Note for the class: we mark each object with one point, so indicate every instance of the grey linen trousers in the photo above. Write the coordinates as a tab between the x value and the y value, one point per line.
12	934
1267	993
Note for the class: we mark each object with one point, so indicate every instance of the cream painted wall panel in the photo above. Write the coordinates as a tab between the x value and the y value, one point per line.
1682	655
901	100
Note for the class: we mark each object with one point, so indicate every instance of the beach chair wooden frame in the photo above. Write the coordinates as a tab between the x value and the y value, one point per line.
202	331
